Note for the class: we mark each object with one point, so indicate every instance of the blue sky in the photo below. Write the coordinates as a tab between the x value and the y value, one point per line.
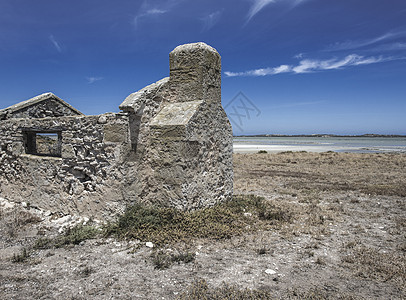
302	66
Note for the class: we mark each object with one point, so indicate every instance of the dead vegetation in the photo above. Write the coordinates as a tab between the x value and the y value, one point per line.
13	220
377	264
375	174
201	290
304	226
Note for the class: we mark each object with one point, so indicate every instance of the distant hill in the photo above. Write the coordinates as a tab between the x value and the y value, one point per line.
369	135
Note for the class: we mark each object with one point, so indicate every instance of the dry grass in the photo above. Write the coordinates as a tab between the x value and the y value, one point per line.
289	172
15	219
200	290
367	262
164	259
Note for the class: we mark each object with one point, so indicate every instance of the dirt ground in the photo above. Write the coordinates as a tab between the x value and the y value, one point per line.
345	239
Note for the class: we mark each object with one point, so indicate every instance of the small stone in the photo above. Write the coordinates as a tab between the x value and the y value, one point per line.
149	244
102	120
24	204
270	272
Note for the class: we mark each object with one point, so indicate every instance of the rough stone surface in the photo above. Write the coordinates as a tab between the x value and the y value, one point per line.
89	177
42	106
172	146
184	138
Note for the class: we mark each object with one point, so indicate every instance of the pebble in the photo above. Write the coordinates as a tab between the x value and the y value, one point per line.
270	271
6	204
149	244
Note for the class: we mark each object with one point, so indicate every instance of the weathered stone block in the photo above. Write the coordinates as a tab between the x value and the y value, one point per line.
115	133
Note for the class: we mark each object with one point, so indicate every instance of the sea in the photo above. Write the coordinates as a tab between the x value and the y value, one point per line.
320	144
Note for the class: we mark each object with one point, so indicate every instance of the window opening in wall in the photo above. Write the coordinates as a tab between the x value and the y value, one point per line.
43	143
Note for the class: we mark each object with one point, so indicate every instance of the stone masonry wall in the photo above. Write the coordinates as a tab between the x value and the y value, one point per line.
184	138
191	164
47	108
172	146
89	178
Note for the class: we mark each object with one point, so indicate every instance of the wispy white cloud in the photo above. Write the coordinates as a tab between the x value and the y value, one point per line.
258	5
211	19
91	80
261	72
55	43
151	9
314	65
390	47
147	13
155	11
357	44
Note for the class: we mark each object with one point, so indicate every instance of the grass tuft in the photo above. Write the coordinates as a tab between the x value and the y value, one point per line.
73	236
163	260
22	257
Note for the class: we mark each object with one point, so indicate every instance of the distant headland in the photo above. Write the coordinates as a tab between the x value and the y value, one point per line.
368	135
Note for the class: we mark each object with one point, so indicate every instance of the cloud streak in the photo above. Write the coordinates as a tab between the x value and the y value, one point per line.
147	13
315	65
55	43
351	45
210	20
259	5
91	80
148	10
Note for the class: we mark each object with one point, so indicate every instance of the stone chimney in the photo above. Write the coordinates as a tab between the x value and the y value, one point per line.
195	73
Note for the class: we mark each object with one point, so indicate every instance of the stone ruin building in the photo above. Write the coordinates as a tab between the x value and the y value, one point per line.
171	145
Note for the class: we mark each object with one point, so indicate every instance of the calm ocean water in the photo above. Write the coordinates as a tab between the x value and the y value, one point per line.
320	144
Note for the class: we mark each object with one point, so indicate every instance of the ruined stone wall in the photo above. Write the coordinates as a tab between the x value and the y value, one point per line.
46	108
186	136
172	146
190	163
90	177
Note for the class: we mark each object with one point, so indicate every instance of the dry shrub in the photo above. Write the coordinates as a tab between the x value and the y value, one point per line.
200	290
374	264
163	259
73	236
22	257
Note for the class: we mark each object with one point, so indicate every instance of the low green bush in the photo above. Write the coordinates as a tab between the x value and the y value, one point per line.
162	225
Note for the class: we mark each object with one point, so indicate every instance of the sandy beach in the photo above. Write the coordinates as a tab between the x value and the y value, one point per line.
339	234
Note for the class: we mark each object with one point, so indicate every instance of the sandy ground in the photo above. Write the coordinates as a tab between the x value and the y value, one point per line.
346	239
